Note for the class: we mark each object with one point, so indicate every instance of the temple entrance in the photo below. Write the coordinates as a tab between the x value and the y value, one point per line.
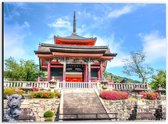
74	73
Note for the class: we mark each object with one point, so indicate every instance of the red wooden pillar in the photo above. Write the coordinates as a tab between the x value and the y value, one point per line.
49	70
98	74
101	70
85	73
64	72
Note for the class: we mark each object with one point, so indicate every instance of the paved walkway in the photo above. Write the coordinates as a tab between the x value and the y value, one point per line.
82	101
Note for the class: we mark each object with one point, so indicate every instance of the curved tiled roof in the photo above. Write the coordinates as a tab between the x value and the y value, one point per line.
49	48
74	36
76	47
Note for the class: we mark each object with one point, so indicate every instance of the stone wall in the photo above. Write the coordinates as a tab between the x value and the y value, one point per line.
125	107
39	106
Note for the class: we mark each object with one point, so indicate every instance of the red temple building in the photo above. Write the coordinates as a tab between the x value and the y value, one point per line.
74	58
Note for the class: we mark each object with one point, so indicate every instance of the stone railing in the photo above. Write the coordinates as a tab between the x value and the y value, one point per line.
77	85
46	85
127	86
26	84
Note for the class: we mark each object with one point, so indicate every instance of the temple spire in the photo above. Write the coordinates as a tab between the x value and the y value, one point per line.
74	24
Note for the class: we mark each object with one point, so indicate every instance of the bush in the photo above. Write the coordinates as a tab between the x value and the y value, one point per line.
57	94
49	119
48	113
35	89
150	95
132	99
42	94
113	95
10	91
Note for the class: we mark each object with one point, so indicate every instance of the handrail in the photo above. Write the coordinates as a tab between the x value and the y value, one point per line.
89	113
77	116
127	86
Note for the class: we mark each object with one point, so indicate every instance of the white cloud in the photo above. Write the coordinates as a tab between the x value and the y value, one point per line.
62	27
13	10
25	25
49	41
119	12
107	14
118	60
14	40
154	45
115	47
60	23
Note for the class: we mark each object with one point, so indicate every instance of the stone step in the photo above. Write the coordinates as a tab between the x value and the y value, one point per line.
83	102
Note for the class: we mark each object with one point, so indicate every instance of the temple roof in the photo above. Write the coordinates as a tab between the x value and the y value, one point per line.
74	36
74	40
49	48
76	47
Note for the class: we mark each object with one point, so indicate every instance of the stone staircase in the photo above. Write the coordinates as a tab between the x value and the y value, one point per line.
83	102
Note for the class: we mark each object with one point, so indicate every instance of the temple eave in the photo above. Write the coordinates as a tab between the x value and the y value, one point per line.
74	39
45	55
77	50
76	54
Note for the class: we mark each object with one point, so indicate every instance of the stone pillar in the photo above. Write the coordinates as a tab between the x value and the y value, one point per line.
89	73
49	70
64	72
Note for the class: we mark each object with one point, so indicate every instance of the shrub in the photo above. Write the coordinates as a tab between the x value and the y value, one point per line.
35	89
132	99
42	94
49	119
48	113
10	91
113	95
150	95
57	94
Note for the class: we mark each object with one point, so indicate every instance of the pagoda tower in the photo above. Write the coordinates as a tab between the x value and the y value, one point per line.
74	58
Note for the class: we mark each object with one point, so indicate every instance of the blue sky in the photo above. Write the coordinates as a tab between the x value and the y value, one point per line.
123	27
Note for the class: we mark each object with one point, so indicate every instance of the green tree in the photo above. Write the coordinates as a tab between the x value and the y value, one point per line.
136	66
25	70
159	78
105	74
